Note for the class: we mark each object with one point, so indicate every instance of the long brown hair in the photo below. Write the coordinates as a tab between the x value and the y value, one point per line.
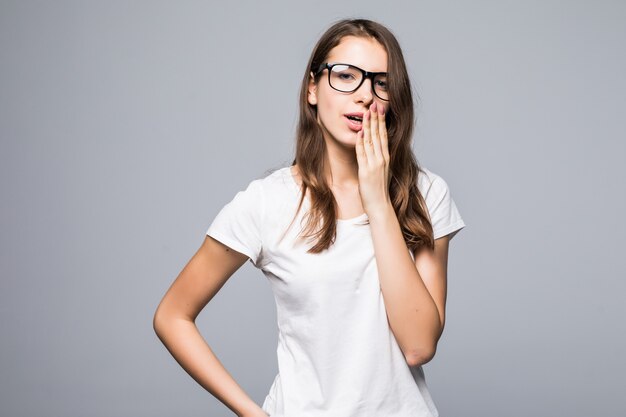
310	156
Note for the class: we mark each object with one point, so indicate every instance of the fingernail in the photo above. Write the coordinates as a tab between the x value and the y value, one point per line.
367	115
373	107
382	110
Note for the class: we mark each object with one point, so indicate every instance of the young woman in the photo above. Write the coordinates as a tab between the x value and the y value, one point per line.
353	238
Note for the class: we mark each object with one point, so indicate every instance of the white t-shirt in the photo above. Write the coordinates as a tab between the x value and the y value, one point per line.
337	356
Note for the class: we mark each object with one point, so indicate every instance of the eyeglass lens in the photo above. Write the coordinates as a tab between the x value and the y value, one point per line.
347	78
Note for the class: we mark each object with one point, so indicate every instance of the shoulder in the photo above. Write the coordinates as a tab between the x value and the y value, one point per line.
276	180
271	190
443	212
430	183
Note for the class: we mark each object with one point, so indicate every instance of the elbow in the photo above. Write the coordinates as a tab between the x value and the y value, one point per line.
420	356
425	352
159	321
165	320
156	322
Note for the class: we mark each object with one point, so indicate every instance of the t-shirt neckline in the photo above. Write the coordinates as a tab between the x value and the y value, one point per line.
352	220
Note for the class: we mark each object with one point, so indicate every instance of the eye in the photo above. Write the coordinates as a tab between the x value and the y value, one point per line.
345	76
381	84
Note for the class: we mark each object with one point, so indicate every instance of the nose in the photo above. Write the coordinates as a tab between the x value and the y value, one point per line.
365	93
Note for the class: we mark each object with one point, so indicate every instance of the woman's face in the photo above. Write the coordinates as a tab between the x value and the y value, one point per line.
333	105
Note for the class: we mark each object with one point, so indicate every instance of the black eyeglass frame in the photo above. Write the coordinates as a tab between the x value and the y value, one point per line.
366	74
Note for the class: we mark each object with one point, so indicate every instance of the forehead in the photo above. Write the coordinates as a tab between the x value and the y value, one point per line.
365	53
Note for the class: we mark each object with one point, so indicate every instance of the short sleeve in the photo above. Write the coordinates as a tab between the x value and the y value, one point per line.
444	215
239	223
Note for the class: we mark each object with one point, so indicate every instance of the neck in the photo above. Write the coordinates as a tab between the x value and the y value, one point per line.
342	166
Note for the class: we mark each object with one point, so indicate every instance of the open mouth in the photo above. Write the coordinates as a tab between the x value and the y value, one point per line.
355	123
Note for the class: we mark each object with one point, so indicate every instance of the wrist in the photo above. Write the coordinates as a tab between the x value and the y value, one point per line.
381	211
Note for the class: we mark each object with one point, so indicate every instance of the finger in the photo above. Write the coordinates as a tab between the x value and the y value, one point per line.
382	133
367	137
374	131
361	157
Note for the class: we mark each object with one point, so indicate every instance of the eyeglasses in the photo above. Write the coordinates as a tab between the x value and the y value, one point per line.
348	78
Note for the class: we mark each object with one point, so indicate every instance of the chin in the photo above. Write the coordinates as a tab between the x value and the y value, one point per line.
343	139
349	142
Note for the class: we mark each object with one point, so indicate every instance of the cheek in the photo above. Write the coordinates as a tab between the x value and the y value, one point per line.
324	117
327	110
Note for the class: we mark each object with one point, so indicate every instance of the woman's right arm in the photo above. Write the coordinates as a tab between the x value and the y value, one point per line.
174	323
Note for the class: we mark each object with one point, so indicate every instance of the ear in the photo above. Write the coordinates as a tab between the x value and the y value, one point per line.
312	96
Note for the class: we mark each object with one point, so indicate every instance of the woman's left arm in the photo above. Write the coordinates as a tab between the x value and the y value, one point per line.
414	291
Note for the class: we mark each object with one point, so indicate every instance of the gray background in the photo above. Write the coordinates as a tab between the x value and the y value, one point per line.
126	126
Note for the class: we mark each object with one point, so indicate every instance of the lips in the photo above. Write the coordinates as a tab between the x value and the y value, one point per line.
354	121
